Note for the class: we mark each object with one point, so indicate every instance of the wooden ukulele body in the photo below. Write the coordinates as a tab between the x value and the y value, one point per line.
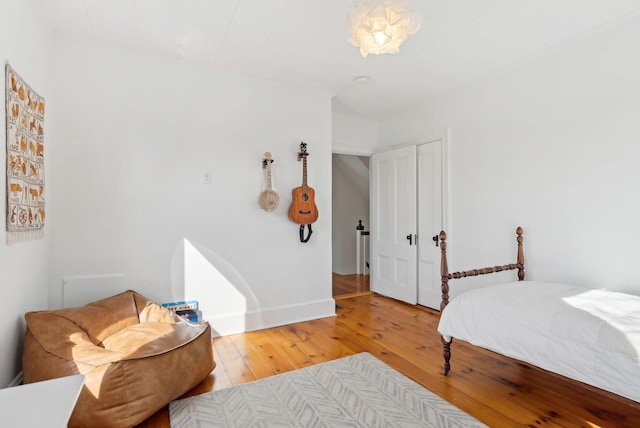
269	200
303	208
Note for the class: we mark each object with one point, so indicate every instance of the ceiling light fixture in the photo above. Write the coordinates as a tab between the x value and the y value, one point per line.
381	26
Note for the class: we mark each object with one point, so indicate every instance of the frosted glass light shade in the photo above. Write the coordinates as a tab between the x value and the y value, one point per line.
381	26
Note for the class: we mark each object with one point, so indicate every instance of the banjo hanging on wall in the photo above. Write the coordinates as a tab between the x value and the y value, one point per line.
269	199
303	210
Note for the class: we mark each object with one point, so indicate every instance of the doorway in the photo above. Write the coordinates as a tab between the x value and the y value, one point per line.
350	208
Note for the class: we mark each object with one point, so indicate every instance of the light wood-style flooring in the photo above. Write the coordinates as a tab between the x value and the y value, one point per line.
499	391
349	285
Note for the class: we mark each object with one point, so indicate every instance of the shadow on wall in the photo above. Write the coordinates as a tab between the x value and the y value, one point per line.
224	297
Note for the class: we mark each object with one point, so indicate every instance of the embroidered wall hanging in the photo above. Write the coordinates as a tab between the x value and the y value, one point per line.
25	160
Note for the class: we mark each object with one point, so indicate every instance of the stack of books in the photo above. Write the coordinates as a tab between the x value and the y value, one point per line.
186	309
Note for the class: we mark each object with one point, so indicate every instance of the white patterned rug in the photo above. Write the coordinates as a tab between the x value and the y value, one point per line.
356	391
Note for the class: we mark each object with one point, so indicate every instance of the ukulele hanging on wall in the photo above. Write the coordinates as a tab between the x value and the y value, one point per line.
303	210
269	199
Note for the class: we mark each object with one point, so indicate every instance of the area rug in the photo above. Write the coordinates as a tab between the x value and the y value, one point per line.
356	391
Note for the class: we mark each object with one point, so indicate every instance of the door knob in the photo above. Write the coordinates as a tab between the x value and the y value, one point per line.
435	239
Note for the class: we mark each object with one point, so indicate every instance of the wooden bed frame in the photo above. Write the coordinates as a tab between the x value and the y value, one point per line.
446	276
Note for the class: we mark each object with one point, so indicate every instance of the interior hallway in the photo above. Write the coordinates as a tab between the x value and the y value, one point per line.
353	284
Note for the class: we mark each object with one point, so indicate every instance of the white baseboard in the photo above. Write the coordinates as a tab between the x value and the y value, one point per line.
257	319
16	380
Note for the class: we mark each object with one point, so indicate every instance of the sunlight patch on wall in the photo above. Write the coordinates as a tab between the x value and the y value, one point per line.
224	296
205	283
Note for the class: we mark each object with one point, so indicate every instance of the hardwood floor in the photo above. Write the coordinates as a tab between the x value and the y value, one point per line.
344	285
499	391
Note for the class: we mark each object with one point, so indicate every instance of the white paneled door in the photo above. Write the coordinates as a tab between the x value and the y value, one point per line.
406	212
393	224
430	223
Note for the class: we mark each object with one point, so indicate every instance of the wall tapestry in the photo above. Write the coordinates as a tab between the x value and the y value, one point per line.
25	160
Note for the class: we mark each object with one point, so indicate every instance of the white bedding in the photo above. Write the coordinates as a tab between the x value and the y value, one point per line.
589	335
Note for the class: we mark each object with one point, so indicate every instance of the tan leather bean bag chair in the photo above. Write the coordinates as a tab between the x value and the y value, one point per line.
136	357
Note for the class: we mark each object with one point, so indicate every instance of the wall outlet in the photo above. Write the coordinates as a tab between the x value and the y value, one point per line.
206	177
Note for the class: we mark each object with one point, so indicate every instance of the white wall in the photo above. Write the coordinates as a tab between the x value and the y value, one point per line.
551	145
355	135
137	132
24	266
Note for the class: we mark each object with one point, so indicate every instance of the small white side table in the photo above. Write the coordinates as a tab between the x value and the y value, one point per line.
40	404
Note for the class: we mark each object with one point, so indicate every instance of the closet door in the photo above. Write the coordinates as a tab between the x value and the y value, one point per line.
430	215
393	224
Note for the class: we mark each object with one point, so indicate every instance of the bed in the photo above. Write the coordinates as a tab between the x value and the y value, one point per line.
590	335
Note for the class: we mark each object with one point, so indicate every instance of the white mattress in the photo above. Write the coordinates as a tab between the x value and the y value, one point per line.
589	335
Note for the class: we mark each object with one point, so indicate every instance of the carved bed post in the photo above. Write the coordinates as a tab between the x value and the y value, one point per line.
520	254
444	270
444	273
446	276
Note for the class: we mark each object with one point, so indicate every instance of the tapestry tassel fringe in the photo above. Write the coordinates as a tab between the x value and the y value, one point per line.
24	236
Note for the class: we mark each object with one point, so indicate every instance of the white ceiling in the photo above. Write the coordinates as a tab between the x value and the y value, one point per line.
305	42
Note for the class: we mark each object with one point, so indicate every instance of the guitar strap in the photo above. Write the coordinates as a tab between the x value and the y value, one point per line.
302	238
